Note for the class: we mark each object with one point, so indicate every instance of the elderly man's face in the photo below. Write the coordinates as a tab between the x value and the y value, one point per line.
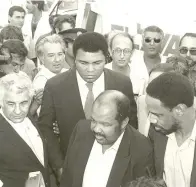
90	65
121	50
17	19
53	57
104	125
152	43
161	117
15	106
188	49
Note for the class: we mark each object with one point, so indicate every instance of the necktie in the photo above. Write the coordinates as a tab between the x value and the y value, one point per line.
89	101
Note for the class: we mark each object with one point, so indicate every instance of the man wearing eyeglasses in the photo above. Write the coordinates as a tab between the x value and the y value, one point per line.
121	48
144	62
187	49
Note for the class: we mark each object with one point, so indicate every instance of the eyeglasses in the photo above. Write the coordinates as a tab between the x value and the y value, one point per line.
125	51
184	51
156	40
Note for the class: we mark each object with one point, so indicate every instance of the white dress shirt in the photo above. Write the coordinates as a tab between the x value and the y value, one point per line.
98	87
42	76
30	135
139	70
99	164
178	161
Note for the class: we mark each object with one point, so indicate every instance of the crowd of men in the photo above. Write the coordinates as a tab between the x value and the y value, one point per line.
78	109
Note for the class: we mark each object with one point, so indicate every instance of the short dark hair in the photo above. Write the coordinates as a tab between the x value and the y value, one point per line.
180	64
154	28
171	89
62	19
146	182
11	32
163	67
16	47
39	3
15	9
120	100
90	42
188	34
124	34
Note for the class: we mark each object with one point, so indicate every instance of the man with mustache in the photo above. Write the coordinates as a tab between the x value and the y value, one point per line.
187	49
106	150
172	115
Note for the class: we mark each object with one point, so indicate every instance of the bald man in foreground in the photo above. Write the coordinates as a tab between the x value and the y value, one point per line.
104	151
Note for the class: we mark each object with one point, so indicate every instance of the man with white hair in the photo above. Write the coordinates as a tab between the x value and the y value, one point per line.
51	53
23	149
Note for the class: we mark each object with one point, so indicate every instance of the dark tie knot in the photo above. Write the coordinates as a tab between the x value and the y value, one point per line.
89	86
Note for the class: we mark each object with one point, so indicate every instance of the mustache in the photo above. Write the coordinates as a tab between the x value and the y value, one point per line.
98	134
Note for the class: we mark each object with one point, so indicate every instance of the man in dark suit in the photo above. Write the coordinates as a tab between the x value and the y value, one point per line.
22	147
173	131
68	98
106	151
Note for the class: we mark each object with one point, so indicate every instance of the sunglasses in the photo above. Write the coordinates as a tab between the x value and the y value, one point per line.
184	51
156	40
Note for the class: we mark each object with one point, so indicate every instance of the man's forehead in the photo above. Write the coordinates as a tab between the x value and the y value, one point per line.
17	13
152	34
153	102
121	40
52	47
189	42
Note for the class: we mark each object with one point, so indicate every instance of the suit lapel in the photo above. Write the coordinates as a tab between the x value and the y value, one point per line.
193	173
121	161
107	77
73	92
160	144
16	140
43	141
84	152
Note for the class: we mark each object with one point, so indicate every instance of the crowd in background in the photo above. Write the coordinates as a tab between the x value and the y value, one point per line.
89	110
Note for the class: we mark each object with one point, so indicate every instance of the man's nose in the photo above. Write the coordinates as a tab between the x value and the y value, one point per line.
153	119
17	109
188	53
152	42
90	68
16	69
122	54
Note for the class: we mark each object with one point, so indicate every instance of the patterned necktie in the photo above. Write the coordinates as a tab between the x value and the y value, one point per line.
89	101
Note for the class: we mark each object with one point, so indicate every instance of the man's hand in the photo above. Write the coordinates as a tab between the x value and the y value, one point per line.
38	96
56	128
58	175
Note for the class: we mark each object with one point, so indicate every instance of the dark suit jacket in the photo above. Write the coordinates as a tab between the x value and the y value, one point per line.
133	159
62	103
159	144
16	158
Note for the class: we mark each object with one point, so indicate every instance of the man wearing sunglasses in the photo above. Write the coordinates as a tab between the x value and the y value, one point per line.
187	49
145	61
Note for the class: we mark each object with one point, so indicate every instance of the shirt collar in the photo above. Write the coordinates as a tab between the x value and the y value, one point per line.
116	145
98	82
192	136
49	73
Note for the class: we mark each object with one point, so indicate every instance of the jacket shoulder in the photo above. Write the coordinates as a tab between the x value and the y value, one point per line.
58	79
